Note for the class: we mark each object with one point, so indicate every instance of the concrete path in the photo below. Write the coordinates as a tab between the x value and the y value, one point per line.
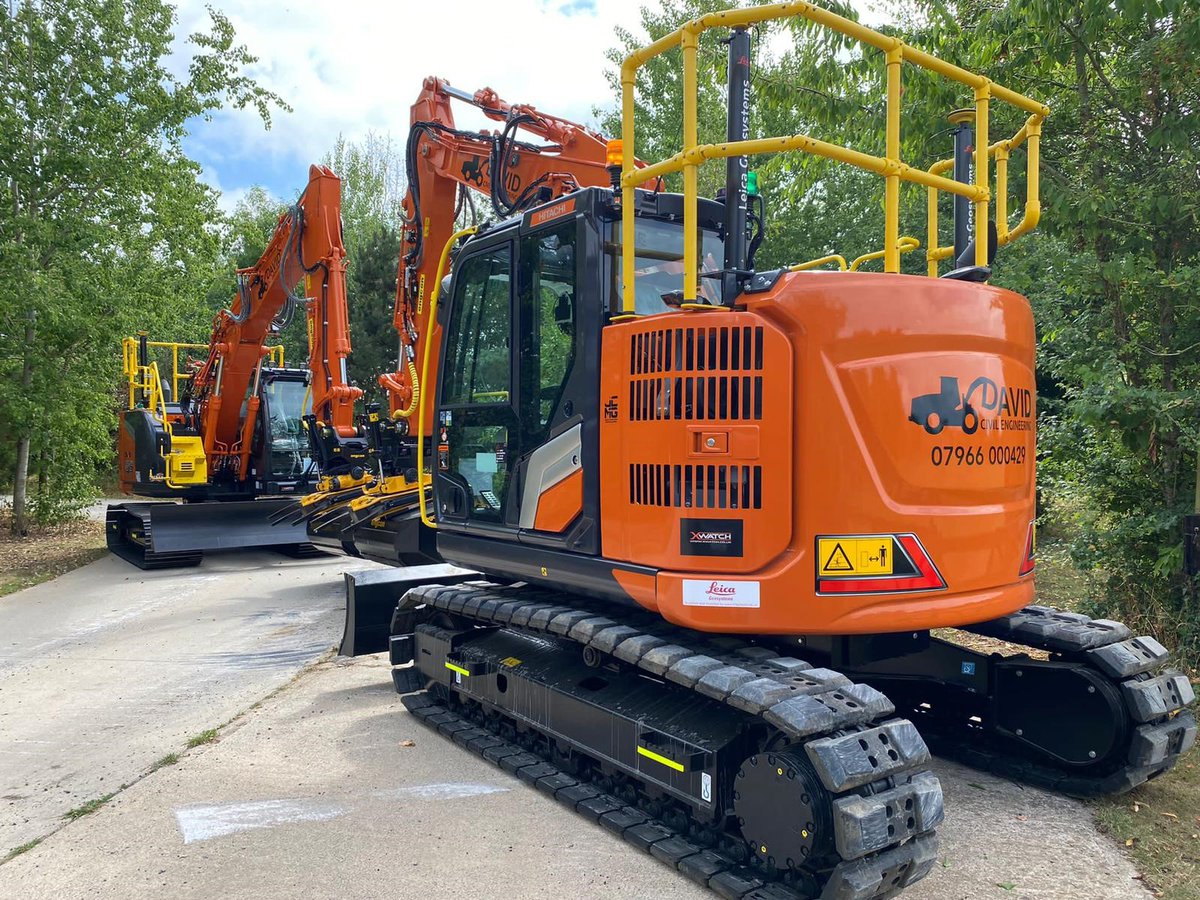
317	792
109	668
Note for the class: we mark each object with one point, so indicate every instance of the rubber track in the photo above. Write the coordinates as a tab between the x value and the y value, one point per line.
140	555
1162	728
844	726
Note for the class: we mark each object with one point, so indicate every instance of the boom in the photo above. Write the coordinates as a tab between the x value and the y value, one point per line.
305	247
444	164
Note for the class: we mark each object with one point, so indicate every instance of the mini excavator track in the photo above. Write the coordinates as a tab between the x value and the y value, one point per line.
755	774
1151	724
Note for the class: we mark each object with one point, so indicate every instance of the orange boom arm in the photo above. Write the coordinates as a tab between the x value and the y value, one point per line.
444	163
306	249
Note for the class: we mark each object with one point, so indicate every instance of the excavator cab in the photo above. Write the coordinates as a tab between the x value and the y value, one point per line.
281	459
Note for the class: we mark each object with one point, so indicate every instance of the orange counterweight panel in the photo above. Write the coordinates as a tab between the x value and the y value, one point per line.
905	410
696	444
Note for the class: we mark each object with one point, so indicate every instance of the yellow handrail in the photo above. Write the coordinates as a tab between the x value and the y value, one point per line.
816	263
903	245
131	369
433	302
692	154
1030	134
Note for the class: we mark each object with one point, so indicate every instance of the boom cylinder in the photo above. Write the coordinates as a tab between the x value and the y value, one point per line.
736	167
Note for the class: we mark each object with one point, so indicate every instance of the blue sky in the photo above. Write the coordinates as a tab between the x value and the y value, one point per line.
359	70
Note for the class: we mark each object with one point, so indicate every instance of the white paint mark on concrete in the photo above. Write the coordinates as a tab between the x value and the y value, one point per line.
440	791
201	823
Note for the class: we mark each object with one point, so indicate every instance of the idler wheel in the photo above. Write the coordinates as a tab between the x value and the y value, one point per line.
783	809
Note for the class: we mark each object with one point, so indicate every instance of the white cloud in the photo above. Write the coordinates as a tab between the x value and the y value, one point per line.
357	66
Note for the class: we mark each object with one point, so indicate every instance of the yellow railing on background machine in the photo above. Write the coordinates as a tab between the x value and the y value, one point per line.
137	377
693	154
185	463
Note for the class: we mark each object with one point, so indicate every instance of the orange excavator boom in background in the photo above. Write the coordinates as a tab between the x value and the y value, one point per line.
232	445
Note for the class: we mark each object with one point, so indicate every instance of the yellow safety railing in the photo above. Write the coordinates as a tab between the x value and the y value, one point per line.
137	378
1030	135
693	154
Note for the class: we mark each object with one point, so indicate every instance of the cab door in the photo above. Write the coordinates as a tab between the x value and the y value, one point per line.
549	470
477	428
517	398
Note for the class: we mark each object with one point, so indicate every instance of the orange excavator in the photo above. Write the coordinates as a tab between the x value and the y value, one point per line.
227	435
712	514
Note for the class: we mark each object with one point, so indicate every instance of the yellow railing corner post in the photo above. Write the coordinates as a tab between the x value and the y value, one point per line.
1002	193
891	205
931	232
983	94
690	42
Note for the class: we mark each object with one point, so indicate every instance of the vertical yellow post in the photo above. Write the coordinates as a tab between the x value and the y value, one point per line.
1033	205
891	200
690	41
1001	194
982	95
175	372
628	267
931	233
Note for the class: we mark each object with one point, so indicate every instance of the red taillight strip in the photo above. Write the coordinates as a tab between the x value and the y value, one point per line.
1030	561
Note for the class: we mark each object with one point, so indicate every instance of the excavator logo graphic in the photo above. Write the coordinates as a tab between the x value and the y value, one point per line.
947	407
1008	405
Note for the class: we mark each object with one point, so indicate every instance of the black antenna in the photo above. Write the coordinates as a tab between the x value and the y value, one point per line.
964	172
736	167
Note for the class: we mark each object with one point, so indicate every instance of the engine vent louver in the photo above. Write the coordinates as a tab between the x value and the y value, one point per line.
692	398
711	349
695	487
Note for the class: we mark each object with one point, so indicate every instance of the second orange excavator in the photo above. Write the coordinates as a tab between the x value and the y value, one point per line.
227	439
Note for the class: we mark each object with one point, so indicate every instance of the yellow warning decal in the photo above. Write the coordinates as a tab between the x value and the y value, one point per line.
459	669
855	556
511	661
669	763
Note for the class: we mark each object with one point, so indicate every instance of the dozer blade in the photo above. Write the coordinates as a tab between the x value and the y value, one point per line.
168	535
371	600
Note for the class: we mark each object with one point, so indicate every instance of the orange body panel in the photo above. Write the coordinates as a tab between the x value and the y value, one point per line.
560	503
126	455
891	405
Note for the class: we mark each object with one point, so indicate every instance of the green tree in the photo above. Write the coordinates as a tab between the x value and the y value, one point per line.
372	291
373	186
103	219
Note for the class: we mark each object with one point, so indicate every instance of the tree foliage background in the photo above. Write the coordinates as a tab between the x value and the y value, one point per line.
105	226
1113	271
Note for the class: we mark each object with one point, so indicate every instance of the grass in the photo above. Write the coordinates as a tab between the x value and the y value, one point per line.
204	737
169	760
1159	826
90	807
47	553
24	848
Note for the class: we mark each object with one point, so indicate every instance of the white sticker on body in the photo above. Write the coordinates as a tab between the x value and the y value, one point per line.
721	593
